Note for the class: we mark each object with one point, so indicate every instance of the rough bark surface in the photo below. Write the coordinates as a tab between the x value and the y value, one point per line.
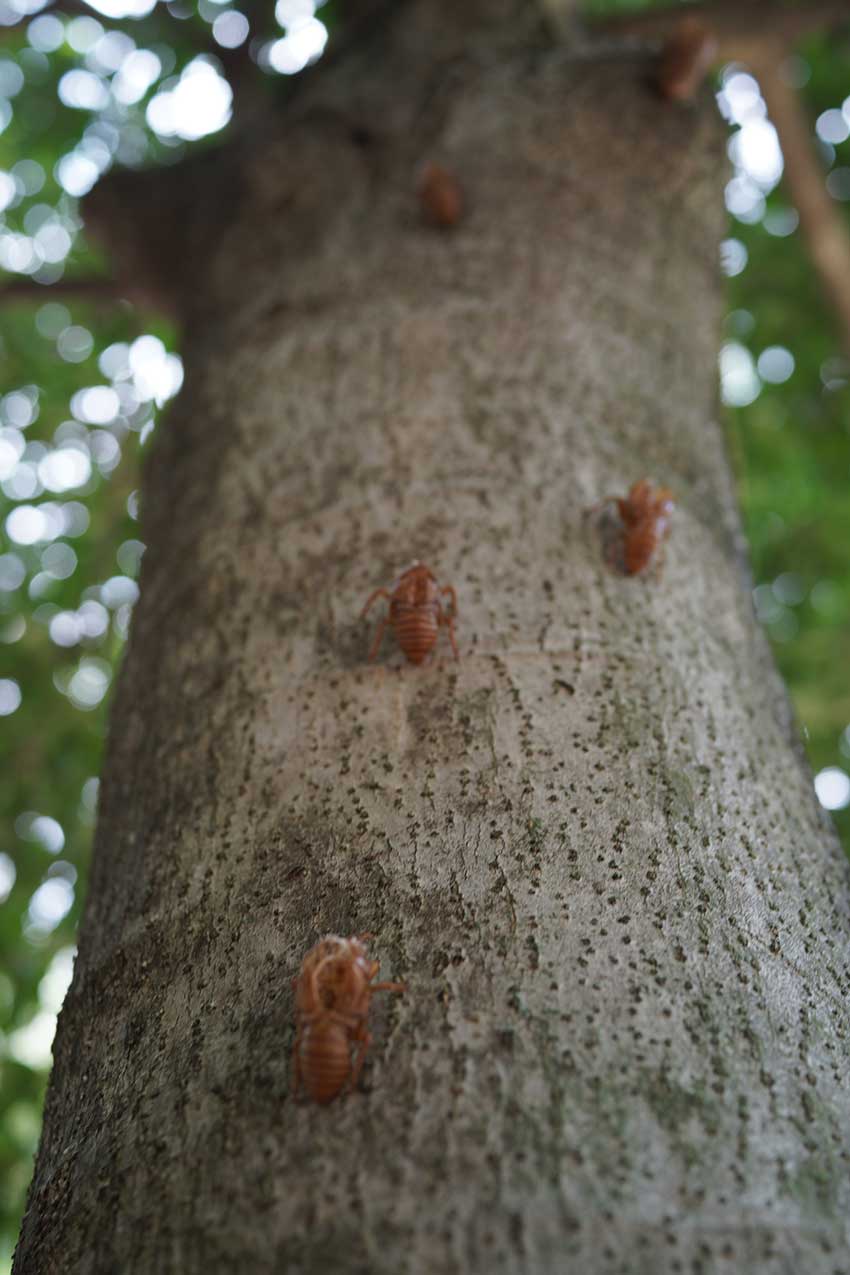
590	847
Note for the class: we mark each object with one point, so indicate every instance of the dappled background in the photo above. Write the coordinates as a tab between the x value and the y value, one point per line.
85	87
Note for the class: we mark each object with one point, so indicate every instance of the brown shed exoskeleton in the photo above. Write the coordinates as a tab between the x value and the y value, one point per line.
686	59
415	613
332	995
645	514
440	196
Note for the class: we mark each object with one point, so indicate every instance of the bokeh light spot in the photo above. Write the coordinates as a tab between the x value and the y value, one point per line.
832	786
744	199
110	53
287	12
30	174
31	1045
20	407
59	560
89	683
13	630
114	361
119	9
9	193
65	629
138	72
27	525
76	173
91	789
230	29
12	572
106	450
775	364
96	405
157	374
65	468
19	254
10	696
838	183
740	98
11	78
83	33
74	519
53	242
198	104
733	257
22	484
303	43
11	450
789	589
51	319
781	222
118	591
46	33
93	617
755	148
8	873
47	832
129	556
75	344
54	985
740	384
83	91
832	127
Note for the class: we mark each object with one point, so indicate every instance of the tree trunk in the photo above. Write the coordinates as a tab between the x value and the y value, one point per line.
590	847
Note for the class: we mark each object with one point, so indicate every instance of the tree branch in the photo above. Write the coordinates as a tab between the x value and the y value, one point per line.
742	27
85	289
99	292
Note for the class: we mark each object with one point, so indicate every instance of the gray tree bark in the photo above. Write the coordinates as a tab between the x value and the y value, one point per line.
590	847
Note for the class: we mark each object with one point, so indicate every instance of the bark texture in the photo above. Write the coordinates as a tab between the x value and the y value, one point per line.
590	847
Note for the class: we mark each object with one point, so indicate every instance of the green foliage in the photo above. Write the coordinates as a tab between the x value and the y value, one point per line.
67	598
50	351
791	447
56	734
